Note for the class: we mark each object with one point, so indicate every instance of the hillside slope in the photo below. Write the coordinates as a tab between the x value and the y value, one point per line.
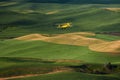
19	19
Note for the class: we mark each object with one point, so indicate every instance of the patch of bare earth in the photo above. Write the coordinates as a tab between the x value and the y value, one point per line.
109	47
32	37
78	39
73	39
113	9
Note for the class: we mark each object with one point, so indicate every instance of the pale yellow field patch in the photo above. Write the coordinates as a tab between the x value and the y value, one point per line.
32	37
52	12
73	39
84	33
78	39
70	38
113	9
109	47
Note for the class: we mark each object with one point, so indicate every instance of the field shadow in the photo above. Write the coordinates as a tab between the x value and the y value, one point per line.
23	22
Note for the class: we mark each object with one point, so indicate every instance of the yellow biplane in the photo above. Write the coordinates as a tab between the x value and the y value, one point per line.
64	25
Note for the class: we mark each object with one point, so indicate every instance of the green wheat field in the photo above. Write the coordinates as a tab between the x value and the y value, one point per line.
59	39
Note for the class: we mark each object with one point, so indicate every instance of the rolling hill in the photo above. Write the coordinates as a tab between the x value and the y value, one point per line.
33	17
77	39
59	39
